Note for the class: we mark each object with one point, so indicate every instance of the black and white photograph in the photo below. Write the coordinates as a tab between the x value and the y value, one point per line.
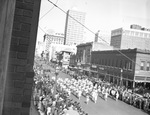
74	57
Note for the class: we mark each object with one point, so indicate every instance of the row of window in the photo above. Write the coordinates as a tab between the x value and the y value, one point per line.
145	66
131	33
125	64
138	34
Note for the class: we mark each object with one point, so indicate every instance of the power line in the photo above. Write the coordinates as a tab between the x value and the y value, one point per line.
92	32
48	11
42	30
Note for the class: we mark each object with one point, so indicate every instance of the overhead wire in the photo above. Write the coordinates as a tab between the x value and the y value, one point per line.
93	32
45	15
48	11
42	29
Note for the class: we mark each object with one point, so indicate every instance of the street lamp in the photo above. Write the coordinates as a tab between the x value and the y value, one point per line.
121	77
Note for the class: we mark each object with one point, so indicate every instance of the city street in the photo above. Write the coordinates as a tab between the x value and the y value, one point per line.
110	107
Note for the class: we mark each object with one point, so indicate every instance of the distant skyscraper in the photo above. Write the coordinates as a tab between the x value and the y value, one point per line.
130	38
73	30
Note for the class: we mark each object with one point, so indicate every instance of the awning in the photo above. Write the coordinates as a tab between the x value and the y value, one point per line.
142	79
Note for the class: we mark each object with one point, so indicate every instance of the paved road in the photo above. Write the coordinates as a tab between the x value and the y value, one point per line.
110	107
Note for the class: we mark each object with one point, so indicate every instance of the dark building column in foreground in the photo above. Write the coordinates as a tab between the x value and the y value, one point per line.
18	35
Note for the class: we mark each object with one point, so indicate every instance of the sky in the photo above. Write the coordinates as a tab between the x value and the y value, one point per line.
100	15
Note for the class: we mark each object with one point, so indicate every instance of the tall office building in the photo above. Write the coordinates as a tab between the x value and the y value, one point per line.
73	30
130	38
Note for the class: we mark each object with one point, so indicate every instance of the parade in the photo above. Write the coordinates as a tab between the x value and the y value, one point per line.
51	102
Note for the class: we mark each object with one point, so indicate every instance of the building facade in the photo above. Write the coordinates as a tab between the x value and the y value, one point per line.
57	38
130	38
84	51
73	30
132	67
83	56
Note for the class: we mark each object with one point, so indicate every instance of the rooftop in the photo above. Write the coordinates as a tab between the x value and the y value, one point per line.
135	50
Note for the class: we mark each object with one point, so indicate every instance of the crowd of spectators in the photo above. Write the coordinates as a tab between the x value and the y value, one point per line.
48	102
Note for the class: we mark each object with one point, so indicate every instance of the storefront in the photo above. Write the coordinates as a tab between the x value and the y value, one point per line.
94	71
102	73
143	81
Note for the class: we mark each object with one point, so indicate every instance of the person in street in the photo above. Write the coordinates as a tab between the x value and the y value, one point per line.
105	95
117	95
48	110
87	99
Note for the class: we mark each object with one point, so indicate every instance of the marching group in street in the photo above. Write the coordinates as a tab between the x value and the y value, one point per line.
91	90
49	102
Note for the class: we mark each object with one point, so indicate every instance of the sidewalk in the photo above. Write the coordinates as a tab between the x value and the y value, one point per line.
33	110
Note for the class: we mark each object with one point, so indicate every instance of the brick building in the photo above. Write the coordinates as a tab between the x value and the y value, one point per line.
83	56
18	31
131	65
84	51
123	38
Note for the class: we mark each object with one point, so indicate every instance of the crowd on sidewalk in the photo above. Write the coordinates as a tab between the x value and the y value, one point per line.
49	102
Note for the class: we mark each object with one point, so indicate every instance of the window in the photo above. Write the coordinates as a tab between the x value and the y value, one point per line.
132	33
116	63
105	62
136	33
112	62
148	66
145	35
127	32
141	34
109	62
102	61
120	63
130	65
142	65
149	36
126	64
